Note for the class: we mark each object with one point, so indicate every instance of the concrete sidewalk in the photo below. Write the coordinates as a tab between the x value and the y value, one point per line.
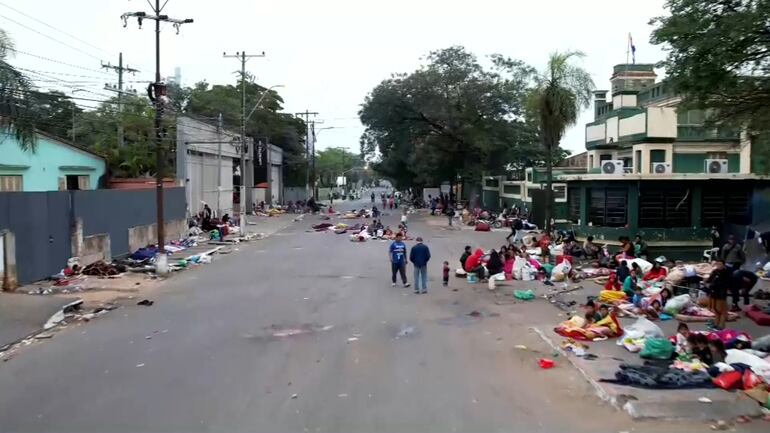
22	315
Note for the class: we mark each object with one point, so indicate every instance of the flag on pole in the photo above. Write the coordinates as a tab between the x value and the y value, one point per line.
632	47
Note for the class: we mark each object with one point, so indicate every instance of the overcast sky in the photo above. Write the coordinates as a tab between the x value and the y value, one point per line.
328	54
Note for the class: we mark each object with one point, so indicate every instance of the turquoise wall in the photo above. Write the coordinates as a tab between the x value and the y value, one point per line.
51	160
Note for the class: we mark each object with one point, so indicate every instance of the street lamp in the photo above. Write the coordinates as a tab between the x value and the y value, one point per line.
260	101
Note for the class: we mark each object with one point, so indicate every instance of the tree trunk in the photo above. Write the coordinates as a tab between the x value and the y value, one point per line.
548	185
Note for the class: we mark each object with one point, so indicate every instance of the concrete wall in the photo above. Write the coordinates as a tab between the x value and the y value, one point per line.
612	129
632	125
53	159
661	122
50	227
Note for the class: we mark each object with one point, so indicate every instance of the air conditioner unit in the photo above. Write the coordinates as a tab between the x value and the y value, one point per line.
661	168
612	166
715	166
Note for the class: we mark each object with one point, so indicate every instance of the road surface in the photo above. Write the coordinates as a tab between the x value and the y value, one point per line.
301	332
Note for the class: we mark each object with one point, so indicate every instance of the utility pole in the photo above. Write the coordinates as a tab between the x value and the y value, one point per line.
157	95
119	69
308	155
243	57
219	166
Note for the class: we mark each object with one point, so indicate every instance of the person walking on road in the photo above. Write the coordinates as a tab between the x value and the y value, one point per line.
419	256
450	213
372	197
397	253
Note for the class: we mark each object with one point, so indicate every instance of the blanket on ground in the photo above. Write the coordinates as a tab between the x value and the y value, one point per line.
576	328
660	377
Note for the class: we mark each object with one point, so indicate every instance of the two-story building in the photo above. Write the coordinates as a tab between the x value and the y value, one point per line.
652	169
55	164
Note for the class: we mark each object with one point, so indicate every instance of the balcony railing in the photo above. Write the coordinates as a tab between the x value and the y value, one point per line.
702	133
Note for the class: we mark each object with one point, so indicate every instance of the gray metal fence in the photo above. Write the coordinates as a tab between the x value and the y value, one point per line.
42	222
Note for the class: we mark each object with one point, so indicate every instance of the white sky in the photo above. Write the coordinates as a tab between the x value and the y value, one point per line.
330	53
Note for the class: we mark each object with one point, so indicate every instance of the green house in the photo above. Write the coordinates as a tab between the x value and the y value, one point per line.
652	169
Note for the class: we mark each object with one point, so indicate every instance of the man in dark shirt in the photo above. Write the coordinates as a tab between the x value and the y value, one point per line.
718	284
419	256
742	283
464	257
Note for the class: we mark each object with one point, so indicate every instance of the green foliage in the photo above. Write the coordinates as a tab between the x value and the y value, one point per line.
267	122
719	57
562	90
334	161
451	117
16	114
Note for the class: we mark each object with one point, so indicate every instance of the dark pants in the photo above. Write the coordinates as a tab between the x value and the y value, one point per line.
480	272
513	234
398	268
736	292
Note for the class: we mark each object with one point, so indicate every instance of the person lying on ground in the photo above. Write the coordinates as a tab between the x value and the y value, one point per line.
654	311
657	273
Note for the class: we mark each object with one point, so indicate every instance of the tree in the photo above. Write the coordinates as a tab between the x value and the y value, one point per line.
449	118
16	104
561	91
267	123
719	60
719	57
335	161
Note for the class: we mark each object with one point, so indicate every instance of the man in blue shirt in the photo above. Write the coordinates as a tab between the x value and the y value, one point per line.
397	255
419	256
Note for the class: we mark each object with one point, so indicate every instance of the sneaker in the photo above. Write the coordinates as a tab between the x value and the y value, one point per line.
416	292
424	292
393	285
406	284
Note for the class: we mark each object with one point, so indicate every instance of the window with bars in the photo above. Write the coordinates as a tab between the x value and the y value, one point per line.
719	206
573	204
11	183
609	207
559	192
660	208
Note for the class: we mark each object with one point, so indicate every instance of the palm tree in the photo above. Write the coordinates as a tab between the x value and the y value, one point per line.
16	104
561	92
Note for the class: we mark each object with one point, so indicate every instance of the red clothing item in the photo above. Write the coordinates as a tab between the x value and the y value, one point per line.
655	274
474	260
612	283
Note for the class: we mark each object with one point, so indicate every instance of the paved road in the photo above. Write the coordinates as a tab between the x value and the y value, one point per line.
221	357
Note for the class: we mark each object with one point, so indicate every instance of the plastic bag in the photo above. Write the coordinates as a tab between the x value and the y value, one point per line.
643	264
524	295
496	277
657	348
729	380
546	363
677	304
562	268
643	328
518	264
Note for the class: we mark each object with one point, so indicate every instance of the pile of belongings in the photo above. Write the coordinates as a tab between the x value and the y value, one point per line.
653	376
102	269
635	335
578	329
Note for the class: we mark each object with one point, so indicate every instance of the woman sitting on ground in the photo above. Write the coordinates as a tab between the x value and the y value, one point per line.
495	263
473	264
629	284
657	273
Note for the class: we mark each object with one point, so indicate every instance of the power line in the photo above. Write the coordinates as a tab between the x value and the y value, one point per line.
17	51
54	28
49	37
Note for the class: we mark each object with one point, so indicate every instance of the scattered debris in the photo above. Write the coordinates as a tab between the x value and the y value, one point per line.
140	365
342	395
54	320
352	339
545	363
43	335
145	302
720	425
294	396
474	313
705	400
405	331
520	346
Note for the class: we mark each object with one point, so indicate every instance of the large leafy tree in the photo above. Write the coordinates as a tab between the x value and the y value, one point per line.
267	122
719	57
16	103
719	60
449	118
334	161
562	90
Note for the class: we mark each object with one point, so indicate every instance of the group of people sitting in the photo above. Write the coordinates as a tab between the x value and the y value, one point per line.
501	261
